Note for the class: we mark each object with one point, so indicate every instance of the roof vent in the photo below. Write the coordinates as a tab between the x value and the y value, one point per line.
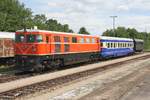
35	27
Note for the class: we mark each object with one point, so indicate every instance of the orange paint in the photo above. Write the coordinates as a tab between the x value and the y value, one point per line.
48	46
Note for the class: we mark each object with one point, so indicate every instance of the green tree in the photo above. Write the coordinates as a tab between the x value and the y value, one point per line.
130	33
39	21
53	25
83	31
13	15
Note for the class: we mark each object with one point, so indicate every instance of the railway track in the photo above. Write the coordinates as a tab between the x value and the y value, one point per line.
56	80
13	76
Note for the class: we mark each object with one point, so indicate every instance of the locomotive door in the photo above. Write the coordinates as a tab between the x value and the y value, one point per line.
48	46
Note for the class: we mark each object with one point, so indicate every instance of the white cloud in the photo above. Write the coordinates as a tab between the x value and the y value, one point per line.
123	8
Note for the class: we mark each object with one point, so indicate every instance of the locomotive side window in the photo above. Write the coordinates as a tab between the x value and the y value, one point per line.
81	40
87	40
47	39
74	40
66	47
57	38
31	38
57	47
93	40
66	39
19	38
39	38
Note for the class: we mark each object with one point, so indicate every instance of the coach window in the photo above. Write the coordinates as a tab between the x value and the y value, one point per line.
66	39
74	40
87	40
128	45
114	45
117	44
120	45
108	45
19	38
131	45
39	38
81	40
101	44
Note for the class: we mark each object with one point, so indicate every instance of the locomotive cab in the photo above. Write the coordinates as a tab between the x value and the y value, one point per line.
30	47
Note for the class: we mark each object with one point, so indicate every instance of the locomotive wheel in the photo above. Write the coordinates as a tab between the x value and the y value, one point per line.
39	68
92	58
56	64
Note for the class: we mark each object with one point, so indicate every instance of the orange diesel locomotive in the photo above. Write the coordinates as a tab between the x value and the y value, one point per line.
38	49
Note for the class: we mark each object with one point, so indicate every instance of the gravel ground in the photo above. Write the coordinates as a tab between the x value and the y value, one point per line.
107	85
141	91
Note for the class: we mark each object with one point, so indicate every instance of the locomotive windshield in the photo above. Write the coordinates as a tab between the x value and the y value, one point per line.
30	38
39	38
34	38
19	38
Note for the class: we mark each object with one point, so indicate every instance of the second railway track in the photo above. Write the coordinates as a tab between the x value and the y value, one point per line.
54	80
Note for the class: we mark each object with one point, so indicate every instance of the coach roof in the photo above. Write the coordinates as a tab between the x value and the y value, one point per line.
7	35
115	38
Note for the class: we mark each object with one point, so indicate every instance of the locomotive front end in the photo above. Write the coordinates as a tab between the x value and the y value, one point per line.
29	48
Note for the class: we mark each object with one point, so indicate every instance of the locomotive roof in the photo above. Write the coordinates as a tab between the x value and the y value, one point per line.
115	38
35	30
7	35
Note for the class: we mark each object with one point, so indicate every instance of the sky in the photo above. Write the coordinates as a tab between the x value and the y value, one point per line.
94	15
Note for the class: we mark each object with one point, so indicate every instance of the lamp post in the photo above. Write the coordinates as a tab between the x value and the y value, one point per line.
113	17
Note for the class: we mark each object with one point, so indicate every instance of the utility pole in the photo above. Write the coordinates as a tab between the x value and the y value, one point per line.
113	17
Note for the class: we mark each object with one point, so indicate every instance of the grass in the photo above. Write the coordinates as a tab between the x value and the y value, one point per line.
147	50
